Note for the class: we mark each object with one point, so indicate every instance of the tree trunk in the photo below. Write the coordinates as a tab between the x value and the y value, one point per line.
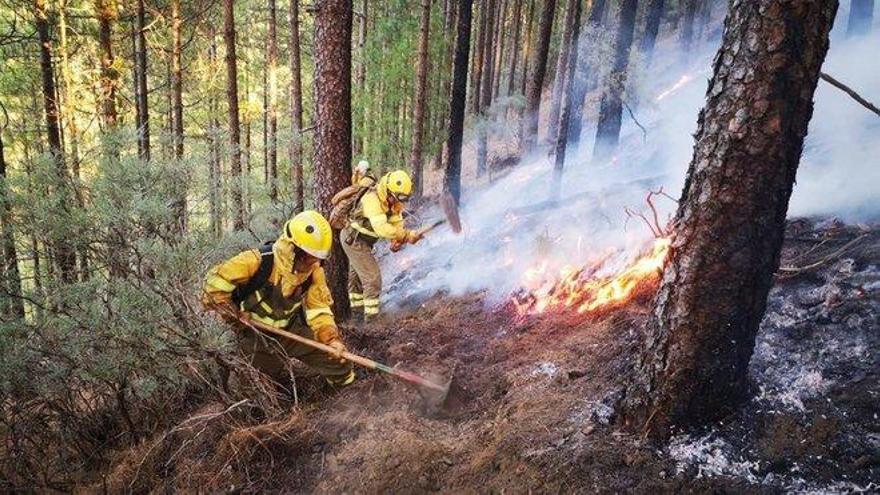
861	16
527	49
215	191
333	19
477	66
561	70
142	93
64	256
501	37
232	103
730	220
106	10
687	27
11	279
272	113
421	97
296	109
177	113
452	179
514	46
69	97
653	17
529	134
485	93
611	107
583	72
565	115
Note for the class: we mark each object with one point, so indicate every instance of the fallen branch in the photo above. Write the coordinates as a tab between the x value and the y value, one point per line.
791	270
846	89
632	116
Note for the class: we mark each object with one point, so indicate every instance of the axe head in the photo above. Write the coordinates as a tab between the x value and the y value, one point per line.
450	209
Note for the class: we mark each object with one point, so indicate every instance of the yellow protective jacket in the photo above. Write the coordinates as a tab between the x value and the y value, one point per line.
284	295
374	218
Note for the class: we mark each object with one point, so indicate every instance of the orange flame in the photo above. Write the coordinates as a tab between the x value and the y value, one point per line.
579	289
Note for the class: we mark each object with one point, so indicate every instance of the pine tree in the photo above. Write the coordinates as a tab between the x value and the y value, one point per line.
232	103
420	96
457	98
529	134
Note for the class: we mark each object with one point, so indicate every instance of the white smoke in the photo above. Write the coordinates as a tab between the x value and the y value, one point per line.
510	228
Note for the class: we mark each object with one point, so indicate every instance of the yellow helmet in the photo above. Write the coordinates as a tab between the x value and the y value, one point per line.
398	184
310	232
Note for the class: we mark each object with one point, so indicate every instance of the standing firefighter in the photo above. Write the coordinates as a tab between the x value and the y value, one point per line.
377	214
282	285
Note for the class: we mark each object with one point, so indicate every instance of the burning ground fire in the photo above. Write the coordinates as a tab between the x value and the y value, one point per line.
581	289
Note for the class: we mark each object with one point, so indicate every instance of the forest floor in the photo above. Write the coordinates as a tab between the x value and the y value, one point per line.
540	397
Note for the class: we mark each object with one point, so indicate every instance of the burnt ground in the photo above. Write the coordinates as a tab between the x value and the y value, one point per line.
540	397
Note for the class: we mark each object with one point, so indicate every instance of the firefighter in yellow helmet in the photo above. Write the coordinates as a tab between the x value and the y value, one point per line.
283	285
377	215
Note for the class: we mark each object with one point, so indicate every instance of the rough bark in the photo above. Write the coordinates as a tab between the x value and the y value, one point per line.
559	81
527	48
106	10
272	111
861	16
452	178
142	93
583	72
214	180
514	46
477	63
730	220
296	108
611	106
500	38
687	26
64	257
653	17
538	64
333	20
232	104
565	113
11	279
420	97
179	226
485	93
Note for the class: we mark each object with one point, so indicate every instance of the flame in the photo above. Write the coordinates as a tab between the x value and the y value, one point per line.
580	289
675	87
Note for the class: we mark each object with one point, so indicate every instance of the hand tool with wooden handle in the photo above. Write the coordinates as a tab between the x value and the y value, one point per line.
397	246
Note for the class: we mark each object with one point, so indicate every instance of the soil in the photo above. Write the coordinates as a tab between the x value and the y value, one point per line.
537	398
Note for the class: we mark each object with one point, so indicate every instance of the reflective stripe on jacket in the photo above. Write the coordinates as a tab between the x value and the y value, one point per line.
374	218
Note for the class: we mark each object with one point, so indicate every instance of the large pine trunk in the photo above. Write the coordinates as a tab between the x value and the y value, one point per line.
142	93
232	105
452	179
65	257
485	90
272	111
652	26
583	72
559	81
611	106
538	64
332	91
415	160
861	16
729	225
10	283
296	109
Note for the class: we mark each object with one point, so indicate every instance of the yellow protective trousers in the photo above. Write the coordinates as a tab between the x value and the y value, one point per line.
364	275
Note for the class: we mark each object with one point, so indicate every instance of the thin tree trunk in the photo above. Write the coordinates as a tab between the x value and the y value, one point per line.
514	47
142	93
296	110
272	114
592	32
687	26
565	113
477	67
653	17
529	134
11	283
527	49
452	178
861	17
215	192
485	93
421	96
611	106
64	257
561	70
362	68
106	10
266	175
177	114
500	36
232	103
729	227
333	20
69	97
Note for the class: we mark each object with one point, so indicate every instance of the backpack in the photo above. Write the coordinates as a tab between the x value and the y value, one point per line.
344	202
267	261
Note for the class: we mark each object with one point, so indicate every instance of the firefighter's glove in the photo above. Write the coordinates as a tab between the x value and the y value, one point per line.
338	348
396	246
414	236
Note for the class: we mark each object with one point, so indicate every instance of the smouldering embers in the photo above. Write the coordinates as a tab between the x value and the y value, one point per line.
581	289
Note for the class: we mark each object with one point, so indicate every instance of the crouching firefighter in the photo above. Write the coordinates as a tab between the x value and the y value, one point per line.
377	214
282	284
